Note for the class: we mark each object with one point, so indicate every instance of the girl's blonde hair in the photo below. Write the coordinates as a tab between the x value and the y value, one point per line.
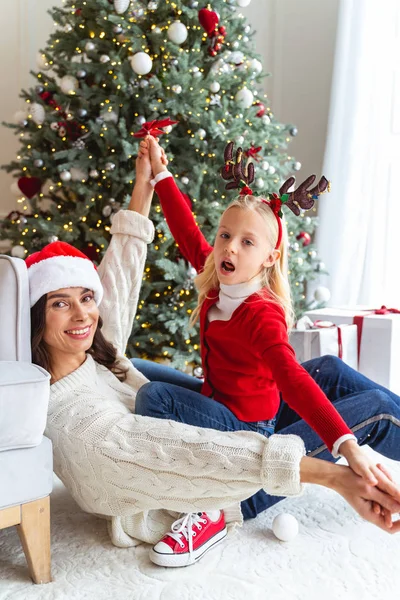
274	279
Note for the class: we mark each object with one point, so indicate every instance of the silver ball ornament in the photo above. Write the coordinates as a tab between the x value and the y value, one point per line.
266	119
109	166
65	176
259	183
143	83
107	210
297	166
82	112
140	120
104	58
265	165
271	170
52	238
177	89
38	163
94	174
90	46
312	254
185	180
201	133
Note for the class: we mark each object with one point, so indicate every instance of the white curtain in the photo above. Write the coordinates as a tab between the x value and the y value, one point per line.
359	235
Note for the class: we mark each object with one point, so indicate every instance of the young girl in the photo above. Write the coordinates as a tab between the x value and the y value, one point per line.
244	309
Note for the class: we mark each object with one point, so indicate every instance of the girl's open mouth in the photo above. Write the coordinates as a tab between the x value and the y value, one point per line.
227	266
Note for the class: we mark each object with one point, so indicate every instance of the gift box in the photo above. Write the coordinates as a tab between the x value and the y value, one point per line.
313	339
378	340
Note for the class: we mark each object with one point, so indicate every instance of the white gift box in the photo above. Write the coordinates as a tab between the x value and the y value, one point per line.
379	343
325	338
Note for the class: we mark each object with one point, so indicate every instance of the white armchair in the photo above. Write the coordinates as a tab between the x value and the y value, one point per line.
26	463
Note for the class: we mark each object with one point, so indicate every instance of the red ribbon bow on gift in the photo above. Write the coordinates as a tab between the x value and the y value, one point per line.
154	128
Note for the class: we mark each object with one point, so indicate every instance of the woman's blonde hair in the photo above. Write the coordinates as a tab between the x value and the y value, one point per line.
274	279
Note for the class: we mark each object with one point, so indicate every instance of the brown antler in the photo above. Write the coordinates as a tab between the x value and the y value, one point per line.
303	198
236	169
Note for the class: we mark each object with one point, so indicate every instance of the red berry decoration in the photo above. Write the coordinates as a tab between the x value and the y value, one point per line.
304	237
222	30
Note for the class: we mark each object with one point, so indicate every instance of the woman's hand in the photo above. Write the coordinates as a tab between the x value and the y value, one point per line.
367	468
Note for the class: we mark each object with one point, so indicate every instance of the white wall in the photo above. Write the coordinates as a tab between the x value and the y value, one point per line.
295	38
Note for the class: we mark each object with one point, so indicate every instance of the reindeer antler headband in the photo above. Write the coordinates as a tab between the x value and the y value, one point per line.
242	177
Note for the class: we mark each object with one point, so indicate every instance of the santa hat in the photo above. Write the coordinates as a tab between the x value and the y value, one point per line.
60	265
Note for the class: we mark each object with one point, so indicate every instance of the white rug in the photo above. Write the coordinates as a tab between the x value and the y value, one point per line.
336	556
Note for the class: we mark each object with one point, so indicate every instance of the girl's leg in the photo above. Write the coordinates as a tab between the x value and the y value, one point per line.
157	372
168	401
373	416
337	380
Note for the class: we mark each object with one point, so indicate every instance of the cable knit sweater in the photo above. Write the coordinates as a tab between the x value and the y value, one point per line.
134	470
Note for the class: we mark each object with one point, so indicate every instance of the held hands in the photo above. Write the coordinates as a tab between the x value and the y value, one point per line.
151	159
373	474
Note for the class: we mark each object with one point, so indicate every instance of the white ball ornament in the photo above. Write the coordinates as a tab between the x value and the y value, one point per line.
37	113
265	119
236	57
104	58
185	180
201	133
167	129
109	116
42	62
322	294
141	63
297	166
177	89
94	174
285	527
255	65
143	83
121	6
271	170
243	3
215	87
65	176
259	183
177	32
18	251
244	98
239	140
69	84
265	165
90	46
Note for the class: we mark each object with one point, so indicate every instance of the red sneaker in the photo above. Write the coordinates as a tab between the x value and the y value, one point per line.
189	539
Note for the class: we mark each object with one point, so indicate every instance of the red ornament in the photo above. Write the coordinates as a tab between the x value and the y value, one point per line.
261	109
212	52
29	186
222	30
208	19
217	47
304	237
154	128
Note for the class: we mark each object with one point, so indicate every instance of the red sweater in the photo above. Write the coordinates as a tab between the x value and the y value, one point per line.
248	360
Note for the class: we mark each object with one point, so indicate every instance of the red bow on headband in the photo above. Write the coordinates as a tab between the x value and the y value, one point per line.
154	128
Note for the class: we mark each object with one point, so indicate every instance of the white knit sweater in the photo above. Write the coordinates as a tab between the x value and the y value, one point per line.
133	470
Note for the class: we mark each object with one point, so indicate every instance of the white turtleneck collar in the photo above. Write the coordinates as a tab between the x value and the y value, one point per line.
232	296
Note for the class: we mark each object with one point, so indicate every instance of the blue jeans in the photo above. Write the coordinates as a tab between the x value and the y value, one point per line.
370	410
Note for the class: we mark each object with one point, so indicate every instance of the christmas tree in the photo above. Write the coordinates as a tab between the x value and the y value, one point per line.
110	68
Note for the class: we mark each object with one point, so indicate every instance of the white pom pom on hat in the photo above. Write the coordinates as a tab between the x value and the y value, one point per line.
60	265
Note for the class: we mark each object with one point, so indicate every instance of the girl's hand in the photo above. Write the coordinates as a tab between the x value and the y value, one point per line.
157	156
364	498
364	466
143	164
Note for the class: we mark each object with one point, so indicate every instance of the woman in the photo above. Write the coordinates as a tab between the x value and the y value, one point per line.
134	470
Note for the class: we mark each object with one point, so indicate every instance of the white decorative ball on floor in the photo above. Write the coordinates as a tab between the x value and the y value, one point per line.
37	113
244	97
121	6
243	3
69	84
285	527
177	32
141	63
18	251
322	294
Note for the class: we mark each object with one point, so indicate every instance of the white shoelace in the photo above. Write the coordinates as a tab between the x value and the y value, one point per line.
184	527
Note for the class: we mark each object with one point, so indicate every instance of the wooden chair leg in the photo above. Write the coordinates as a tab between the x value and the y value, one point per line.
34	533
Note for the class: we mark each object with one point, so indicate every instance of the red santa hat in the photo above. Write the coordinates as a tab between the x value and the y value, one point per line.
60	265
